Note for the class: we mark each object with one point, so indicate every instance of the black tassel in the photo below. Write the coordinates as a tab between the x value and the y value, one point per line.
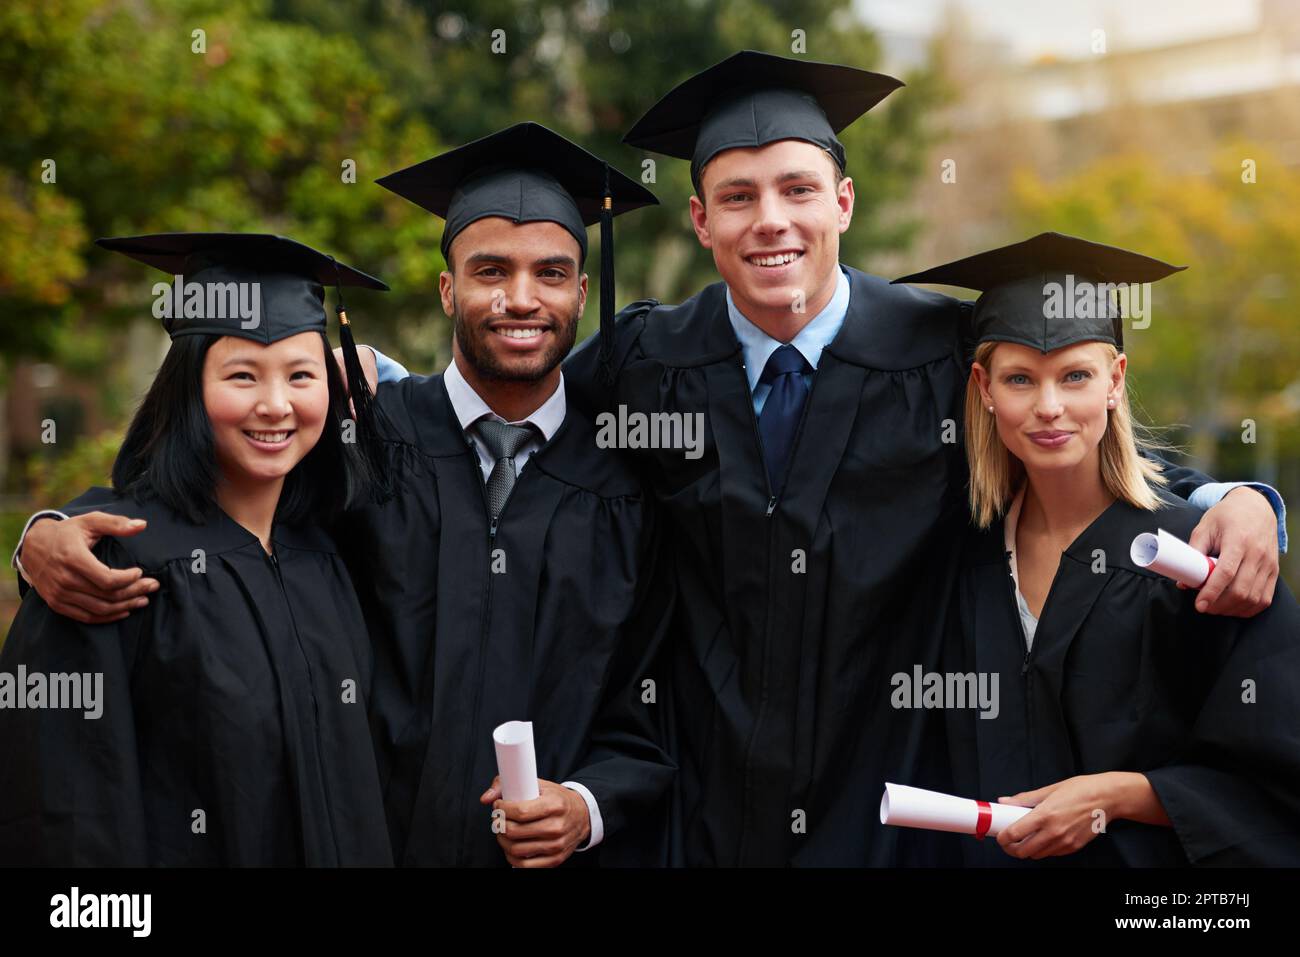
365	412
607	285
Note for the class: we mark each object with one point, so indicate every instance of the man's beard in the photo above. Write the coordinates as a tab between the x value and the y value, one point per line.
472	342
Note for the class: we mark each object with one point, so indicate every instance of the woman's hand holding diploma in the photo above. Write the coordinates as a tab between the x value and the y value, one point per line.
1070	813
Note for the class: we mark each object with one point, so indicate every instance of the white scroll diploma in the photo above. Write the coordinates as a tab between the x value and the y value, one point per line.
516	760
904	806
1172	557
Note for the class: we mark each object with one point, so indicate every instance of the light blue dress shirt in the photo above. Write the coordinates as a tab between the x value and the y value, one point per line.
757	346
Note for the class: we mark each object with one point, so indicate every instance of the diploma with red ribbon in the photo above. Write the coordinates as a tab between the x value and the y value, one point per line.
904	806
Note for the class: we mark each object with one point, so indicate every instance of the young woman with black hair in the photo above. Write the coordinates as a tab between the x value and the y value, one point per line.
226	723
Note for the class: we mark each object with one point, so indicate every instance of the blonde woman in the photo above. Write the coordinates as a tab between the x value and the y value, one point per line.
1142	732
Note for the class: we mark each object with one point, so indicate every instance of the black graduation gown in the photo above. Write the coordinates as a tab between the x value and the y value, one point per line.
1125	675
794	612
239	691
562	633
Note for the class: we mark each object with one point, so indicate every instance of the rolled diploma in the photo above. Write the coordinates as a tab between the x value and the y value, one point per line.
1172	557
905	806
516	760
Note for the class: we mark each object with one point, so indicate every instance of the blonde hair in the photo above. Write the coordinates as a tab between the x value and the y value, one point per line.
996	474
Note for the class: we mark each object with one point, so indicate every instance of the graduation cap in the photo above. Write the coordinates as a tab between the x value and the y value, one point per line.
256	286
1048	291
751	99
528	173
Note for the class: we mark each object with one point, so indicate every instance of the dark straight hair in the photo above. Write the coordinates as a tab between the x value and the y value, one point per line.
169	454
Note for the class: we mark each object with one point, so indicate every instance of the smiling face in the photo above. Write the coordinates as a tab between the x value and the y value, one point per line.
772	215
1052	410
515	294
267	404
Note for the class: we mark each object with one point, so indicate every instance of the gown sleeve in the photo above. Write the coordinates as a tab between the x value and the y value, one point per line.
1233	792
625	766
72	793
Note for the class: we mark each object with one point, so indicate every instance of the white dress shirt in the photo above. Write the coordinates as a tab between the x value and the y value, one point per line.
1027	620
470	408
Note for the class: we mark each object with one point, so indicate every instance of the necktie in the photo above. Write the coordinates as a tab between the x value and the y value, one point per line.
779	420
504	442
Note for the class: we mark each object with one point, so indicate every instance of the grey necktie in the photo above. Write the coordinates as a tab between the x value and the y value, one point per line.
504	442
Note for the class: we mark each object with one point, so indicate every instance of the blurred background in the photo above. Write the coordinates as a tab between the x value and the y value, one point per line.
1171	127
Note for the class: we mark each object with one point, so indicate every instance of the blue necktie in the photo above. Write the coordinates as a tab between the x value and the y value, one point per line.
779	420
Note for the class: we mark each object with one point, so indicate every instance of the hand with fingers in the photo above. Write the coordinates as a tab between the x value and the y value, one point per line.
542	832
1241	531
58	561
1069	814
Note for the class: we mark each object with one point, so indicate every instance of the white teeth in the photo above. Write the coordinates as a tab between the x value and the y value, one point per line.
268	436
780	260
521	333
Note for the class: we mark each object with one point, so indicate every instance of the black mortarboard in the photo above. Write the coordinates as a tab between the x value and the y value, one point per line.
287	278
1033	292
752	99
527	173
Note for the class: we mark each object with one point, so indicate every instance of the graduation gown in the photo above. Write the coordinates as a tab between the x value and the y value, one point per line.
1125	675
239	692
551	614
795	611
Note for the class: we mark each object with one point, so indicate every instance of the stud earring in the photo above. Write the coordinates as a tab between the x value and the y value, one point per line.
990	408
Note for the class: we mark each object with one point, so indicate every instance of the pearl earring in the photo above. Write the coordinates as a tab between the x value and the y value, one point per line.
1110	404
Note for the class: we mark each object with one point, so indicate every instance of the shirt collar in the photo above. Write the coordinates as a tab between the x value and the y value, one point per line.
758	346
1009	524
470	407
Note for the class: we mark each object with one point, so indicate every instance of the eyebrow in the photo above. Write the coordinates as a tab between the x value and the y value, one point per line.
799	174
496	259
1077	364
783	178
250	360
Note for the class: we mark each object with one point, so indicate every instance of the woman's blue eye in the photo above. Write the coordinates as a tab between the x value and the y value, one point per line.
1079	372
1016	378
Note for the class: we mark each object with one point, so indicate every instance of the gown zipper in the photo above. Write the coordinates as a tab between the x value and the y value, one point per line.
485	621
772	498
311	682
1026	677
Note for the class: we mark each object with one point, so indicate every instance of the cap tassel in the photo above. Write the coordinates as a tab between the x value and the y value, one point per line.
366	413
607	285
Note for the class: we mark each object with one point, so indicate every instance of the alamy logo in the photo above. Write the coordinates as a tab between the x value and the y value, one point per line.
654	430
933	689
75	909
209	300
1084	299
74	690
